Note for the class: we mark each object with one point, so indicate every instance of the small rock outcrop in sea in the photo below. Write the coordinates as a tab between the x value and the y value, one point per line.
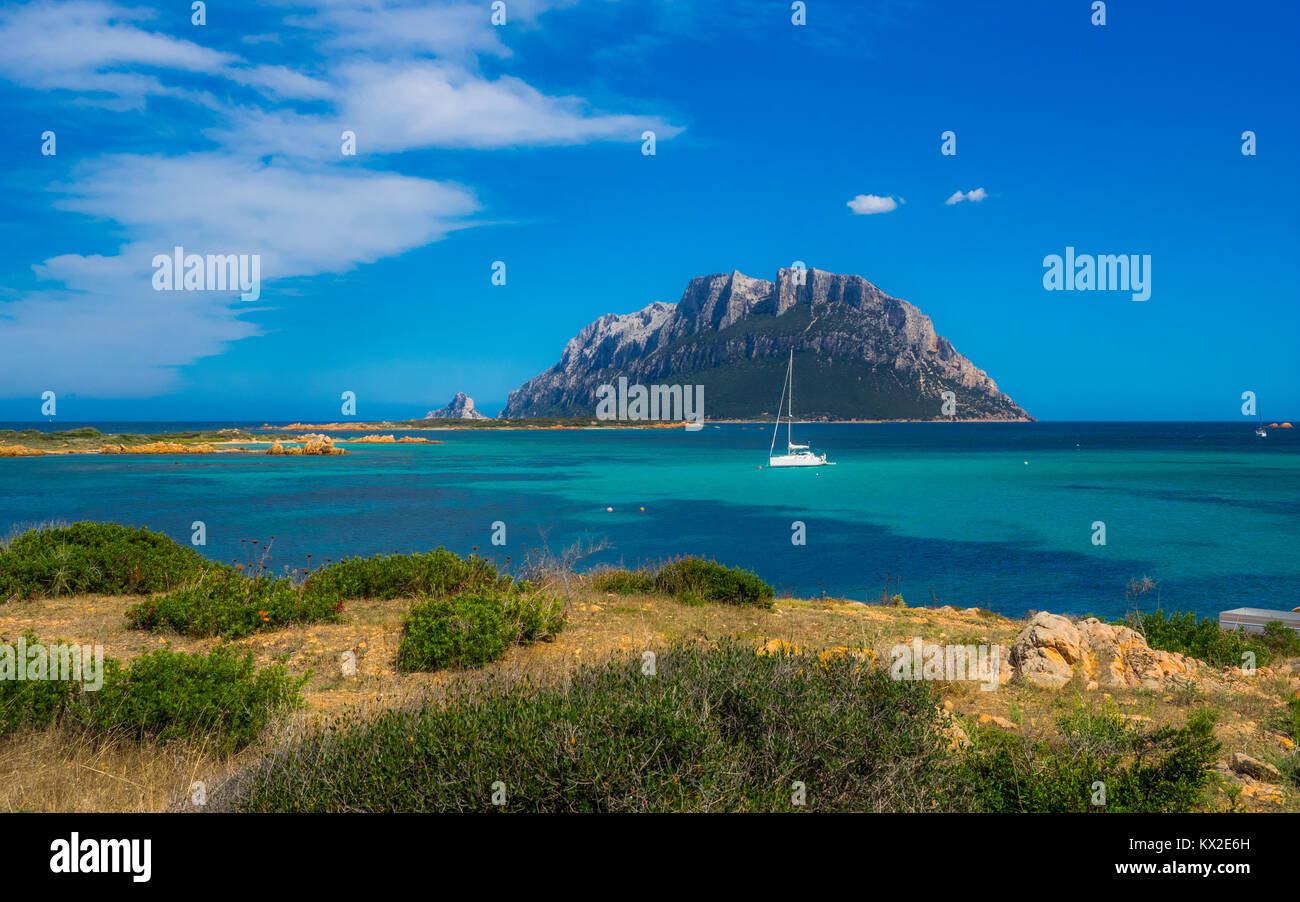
1050	647
460	408
157	448
858	354
312	443
392	440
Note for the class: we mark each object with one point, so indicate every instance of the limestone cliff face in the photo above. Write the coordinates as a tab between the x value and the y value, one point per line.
859	353
460	408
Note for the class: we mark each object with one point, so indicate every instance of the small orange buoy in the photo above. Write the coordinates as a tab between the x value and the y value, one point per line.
643	508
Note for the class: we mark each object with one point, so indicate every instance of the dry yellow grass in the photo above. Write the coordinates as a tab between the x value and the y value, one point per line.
59	770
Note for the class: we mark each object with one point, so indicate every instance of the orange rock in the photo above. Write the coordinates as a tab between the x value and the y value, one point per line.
19	451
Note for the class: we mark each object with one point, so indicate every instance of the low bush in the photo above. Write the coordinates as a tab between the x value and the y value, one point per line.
1280	640
472	629
1166	769
1287	721
30	703
233	606
720	728
692	580
440	573
99	559
714	729
221	698
462	631
1205	640
624	582
533	618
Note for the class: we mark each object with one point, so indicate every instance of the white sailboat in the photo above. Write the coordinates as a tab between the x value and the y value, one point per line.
795	455
1260	430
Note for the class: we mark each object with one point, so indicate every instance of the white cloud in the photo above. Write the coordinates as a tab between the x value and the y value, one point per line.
281	82
82	45
99	326
380	88
302	221
398	107
437	105
107	333
456	29
975	196
867	204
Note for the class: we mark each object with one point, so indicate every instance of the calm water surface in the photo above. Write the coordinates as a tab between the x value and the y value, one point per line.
996	515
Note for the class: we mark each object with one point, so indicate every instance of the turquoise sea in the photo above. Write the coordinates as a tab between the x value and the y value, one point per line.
998	515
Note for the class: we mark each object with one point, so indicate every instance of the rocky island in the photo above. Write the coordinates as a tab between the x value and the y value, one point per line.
461	407
859	353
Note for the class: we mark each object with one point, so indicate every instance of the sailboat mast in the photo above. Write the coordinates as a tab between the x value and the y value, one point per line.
776	427
789	424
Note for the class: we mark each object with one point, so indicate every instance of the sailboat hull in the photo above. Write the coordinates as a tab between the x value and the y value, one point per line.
804	459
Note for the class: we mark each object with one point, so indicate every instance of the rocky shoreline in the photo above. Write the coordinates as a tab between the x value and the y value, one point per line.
308	444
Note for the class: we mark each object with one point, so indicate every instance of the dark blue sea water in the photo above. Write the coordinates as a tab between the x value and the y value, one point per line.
998	515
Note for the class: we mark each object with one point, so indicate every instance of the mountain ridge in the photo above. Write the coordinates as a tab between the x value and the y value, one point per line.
859	353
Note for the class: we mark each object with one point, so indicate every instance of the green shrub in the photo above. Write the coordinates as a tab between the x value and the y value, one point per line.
472	629
1205	640
533	618
34	703
97	558
1288	721
1290	769
233	606
219	697
461	631
624	582
715	729
1166	769
692	580
1281	640
441	573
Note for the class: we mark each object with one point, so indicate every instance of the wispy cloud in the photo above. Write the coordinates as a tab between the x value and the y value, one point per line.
868	204
97	50
397	107
98	324
106	331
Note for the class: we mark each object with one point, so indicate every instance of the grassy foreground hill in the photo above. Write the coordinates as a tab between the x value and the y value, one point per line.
746	699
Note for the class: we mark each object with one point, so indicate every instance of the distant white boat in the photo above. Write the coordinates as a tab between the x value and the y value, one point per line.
693	426
1260	430
795	455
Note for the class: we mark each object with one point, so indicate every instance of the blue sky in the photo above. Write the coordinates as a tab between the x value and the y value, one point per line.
522	144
